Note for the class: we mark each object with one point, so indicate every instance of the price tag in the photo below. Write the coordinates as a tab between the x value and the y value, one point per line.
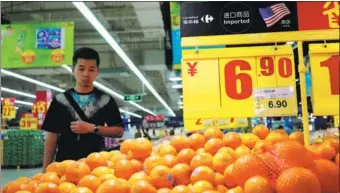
28	123
324	62
239	82
226	123
8	108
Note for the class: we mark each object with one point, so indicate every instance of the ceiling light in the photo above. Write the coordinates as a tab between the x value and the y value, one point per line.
106	35
31	80
129	113
177	86
290	43
21	102
175	79
112	93
180	107
3	89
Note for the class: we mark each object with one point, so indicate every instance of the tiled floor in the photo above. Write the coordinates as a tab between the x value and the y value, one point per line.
8	175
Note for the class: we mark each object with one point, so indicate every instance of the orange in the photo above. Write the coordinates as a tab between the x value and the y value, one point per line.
141	148
180	189
213	133
213	145
241	151
47	188
161	177
227	150
75	171
137	165
61	167
262	146
169	160
29	186
181	174
82	160
166	149
95	160
116	157
105	177
180	142
337	160
138	177
23	179
50	177
211	191
261	131
164	190
297	136
90	181
66	187
202	186
221	188
232	140
258	184
219	179
125	146
151	162
81	190
37	176
12	187
276	137
280	131
102	170
202	173
203	159
237	189
196	141
114	185
221	161
325	151
22	191
328	175
200	150
333	142
249	139
297	180
123	169
229	177
52	167
142	187
185	156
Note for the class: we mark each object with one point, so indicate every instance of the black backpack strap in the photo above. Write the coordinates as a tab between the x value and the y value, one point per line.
76	107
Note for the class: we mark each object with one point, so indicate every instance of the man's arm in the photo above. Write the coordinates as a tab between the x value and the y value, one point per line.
81	127
49	149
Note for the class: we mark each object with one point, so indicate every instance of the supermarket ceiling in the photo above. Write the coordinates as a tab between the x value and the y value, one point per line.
139	29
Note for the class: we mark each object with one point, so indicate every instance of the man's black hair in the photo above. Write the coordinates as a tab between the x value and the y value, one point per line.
86	53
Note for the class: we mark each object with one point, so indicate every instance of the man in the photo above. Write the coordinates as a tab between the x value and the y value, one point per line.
78	119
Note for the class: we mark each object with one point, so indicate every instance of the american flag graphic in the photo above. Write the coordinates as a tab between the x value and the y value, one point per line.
272	14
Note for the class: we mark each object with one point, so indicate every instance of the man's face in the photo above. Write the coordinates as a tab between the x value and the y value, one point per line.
86	72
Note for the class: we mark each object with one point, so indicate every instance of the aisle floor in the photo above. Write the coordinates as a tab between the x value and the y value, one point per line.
8	175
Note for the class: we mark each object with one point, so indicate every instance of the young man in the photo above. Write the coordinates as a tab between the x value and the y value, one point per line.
78	119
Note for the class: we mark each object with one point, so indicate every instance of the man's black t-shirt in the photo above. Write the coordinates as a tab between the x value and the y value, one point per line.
100	108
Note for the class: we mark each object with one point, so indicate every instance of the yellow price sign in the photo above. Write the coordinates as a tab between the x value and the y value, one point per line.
239	82
28	123
324	62
8	112
226	123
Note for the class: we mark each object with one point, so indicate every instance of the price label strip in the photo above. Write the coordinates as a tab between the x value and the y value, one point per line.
275	102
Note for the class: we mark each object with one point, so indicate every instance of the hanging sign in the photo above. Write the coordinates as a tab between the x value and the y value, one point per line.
324	62
8	108
28	121
40	105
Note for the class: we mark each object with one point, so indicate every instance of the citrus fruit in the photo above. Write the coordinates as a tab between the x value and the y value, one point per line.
202	173
219	179
141	148
258	184
249	140
201	186
50	177
237	189
81	190
213	145
75	171
139	176
123	169
105	177
261	131
114	185
333	142
102	170
276	137
232	139
47	187
164	190
181	174
298	180
180	189
66	187
185	156
196	141
166	150
180	142
161	177
241	151
337	160
52	167
221	161
125	146
137	165
203	159
280	131
325	151
221	189
297	136
328	175
229	177
212	132
169	160
142	187
95	160
90	181
151	162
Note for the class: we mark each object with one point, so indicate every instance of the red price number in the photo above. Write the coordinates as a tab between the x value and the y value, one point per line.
267	64
332	64
41	107
25	123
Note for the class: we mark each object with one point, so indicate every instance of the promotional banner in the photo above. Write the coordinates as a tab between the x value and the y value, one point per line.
28	121
223	18
41	105
175	33
325	15
37	44
8	108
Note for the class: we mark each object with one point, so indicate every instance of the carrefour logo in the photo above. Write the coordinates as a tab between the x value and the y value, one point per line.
207	18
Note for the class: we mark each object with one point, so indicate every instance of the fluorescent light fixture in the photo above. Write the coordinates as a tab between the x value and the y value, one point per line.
109	39
181	96
112	93
21	102
180	102
181	107
3	89
16	108
177	86
129	113
175	79
31	80
290	43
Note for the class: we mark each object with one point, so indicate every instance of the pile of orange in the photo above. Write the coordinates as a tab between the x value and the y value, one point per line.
257	162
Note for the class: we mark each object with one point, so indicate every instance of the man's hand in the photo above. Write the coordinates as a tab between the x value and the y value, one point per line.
81	127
